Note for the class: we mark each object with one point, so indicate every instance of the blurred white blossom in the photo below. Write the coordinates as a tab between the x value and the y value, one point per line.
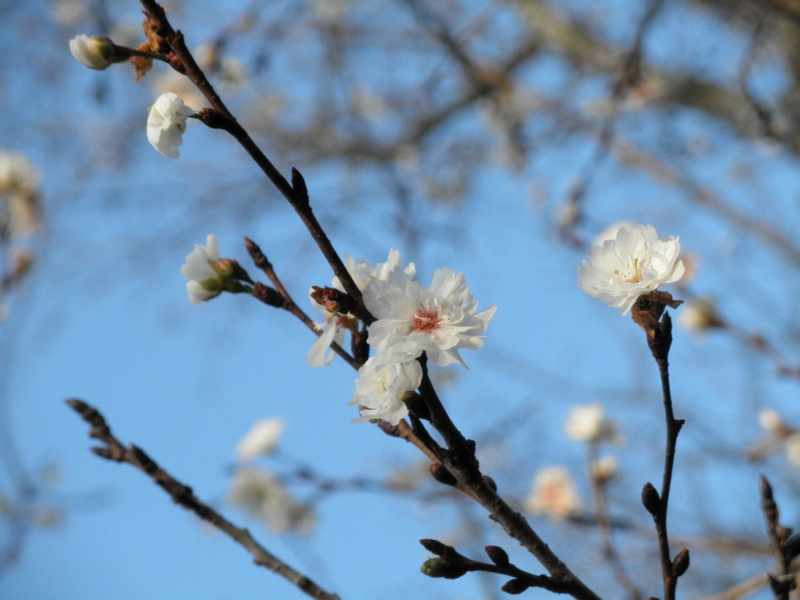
633	264
166	124
264	496
411	319
553	494
20	210
699	315
380	389
604	469
589	424
261	439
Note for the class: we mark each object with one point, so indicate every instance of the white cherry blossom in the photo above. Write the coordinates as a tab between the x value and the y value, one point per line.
633	264
381	388
411	319
204	282
166	124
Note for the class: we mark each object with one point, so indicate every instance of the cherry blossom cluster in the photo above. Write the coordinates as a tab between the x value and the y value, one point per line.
411	320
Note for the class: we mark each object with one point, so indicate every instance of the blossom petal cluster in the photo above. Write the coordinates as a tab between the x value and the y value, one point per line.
381	388
439	321
20	207
632	264
410	320
166	124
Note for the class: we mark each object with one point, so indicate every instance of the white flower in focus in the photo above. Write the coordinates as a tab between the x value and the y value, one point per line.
412	320
588	424
204	282
336	324
261	439
633	264
262	495
553	494
92	52
380	389
166	124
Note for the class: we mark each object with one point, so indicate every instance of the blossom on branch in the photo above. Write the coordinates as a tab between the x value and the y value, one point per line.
204	281
336	323
381	389
412	319
633	264
166	124
261	439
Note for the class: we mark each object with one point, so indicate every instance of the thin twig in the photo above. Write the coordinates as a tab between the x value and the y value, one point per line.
660	340
183	495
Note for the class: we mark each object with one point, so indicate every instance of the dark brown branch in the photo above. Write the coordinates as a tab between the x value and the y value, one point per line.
183	495
659	338
452	565
784	581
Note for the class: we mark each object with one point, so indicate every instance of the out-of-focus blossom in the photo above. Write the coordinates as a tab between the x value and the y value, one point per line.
20	210
553	494
381	389
772	423
633	264
264	496
699	315
166	124
261	439
604	469
68	12
411	319
171	81
793	449
589	424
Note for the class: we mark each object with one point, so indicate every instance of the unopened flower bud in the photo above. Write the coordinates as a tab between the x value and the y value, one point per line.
441	474
681	563
792	547
441	567
651	499
435	547
514	586
97	52
490	482
267	295
497	555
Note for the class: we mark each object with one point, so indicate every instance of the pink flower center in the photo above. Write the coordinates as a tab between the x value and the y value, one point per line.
425	320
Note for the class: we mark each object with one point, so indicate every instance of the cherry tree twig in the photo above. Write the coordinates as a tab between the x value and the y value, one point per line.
183	495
